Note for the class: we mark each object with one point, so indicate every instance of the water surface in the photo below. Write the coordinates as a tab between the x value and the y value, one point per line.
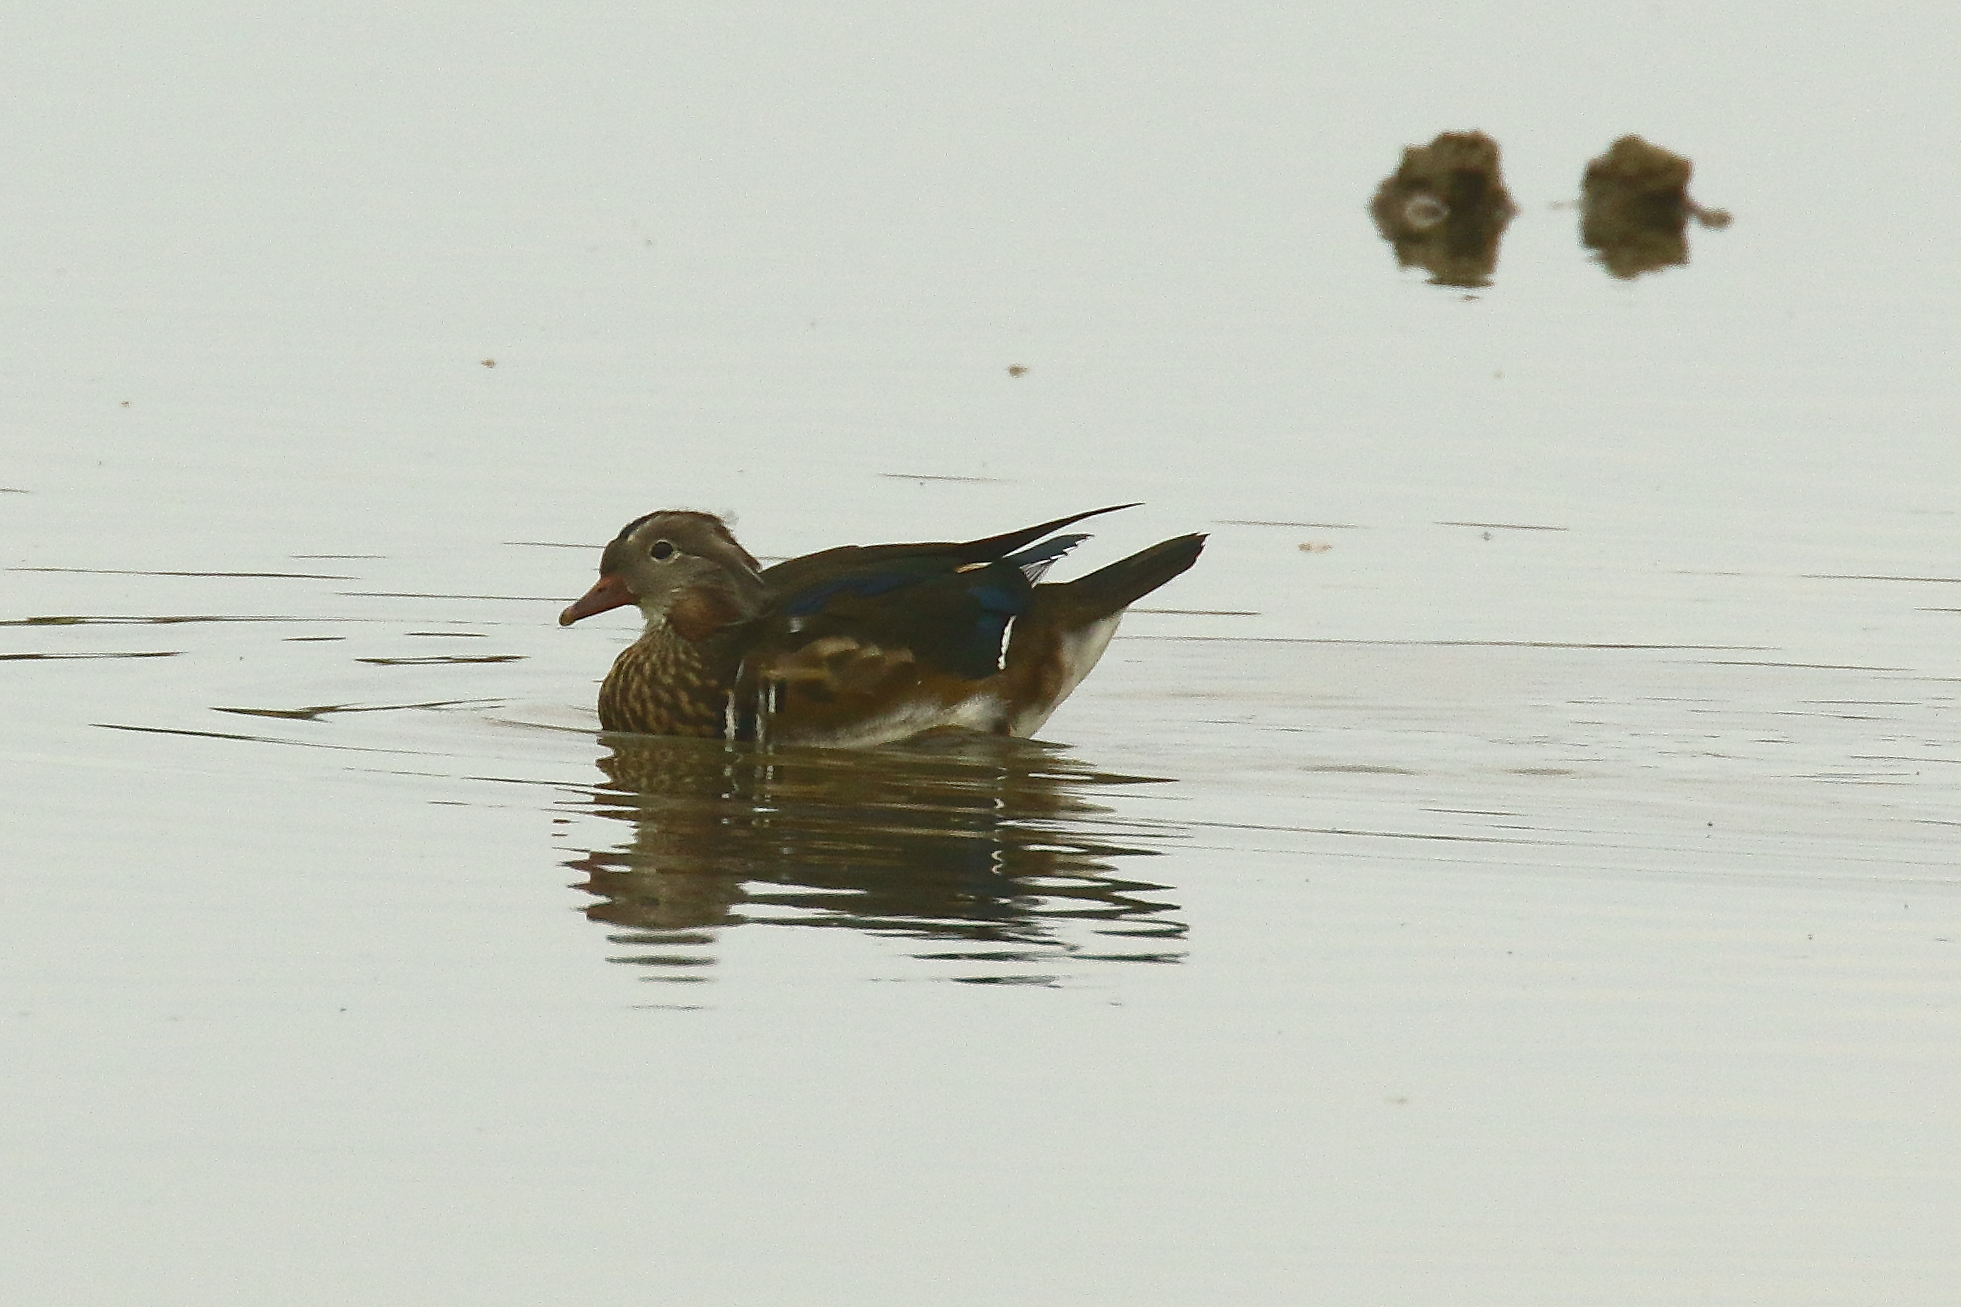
1516	865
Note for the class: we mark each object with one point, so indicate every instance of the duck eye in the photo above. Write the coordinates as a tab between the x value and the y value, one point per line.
661	550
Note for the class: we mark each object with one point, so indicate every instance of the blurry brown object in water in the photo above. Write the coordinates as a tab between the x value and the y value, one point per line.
1445	208
1635	208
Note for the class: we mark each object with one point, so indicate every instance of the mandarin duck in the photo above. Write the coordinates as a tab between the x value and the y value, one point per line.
856	645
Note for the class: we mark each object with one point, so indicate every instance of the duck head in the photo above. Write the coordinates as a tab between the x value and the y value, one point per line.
685	571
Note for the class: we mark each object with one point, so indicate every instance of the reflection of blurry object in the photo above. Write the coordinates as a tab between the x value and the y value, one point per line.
1635	208
1445	208
984	841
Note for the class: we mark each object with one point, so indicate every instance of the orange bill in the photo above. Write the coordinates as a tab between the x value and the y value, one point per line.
609	592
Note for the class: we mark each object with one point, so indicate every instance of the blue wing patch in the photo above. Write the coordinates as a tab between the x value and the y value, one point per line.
865	587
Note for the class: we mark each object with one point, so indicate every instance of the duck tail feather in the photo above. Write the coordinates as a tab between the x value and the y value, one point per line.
993	547
1114	588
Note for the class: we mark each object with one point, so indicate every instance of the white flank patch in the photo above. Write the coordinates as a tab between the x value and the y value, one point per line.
977	712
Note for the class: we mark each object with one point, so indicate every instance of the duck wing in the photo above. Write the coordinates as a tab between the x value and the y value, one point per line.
894	566
947	604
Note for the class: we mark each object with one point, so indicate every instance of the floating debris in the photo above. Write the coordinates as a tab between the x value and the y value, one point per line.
1445	208
248	576
1507	526
1635	208
317	711
445	658
55	657
929	476
69	620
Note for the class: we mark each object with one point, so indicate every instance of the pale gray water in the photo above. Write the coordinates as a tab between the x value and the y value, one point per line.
1516	866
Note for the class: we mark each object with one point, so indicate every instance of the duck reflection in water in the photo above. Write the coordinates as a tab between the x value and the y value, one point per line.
989	851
